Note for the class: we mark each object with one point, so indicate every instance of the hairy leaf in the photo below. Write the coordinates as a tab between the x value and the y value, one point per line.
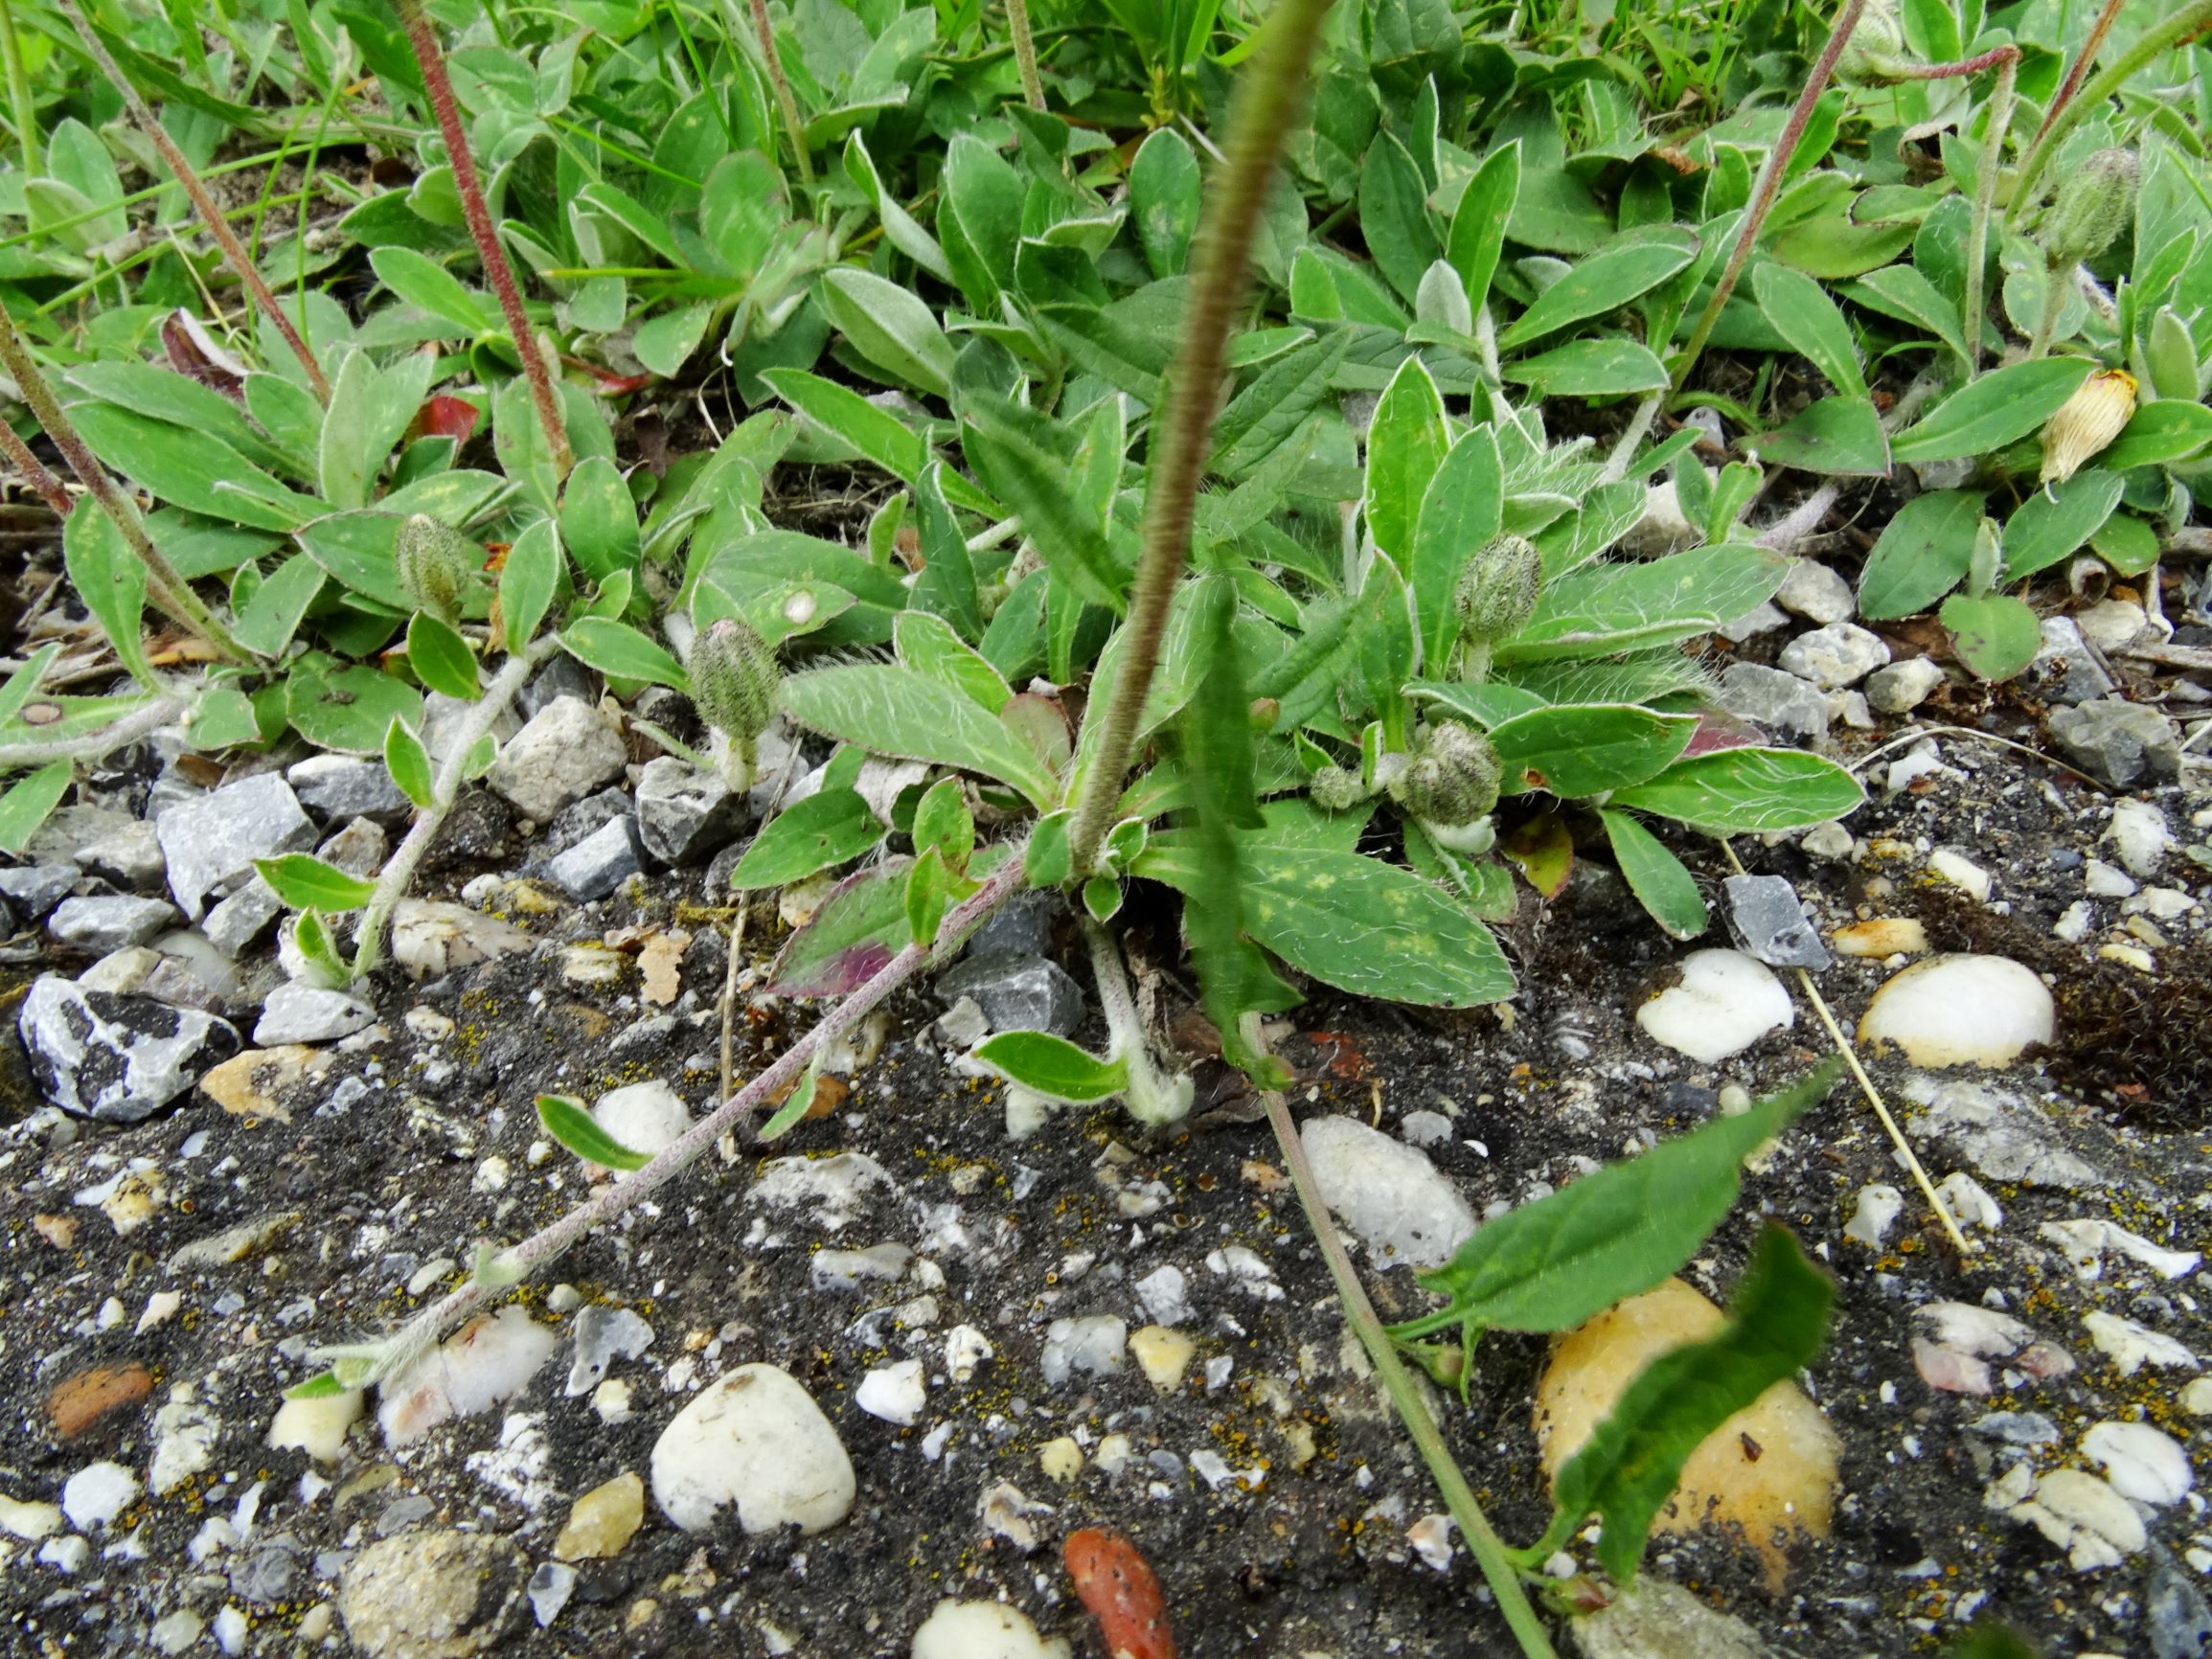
1053	1067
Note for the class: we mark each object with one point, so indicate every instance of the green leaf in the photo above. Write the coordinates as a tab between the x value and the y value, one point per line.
2167	430
369	411
946	586
347	709
1802	312
1734	790
1655	876
30	800
1605	282
900	228
1393	215
1405	446
928	890
23	684
2126	543
274	613
2002	405
801	1100
1577	749
1632	1461
888	326
324	1385
1368	927
1032	464
223	716
830	827
1551	1264
1053	1067
665	344
1997	636
619	651
111	581
877	434
598	519
312	936
1922	555
409	763
1164	201
927	645
979	220
1610	367
304	882
1605	608
1835	436
941	822
567	1122
856	933
895	710
1046	858
1902	293
442	659
1460	513
1478	222
2056	520
429	287
527	582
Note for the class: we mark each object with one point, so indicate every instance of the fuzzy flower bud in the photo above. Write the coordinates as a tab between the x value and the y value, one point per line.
1877	47
1498	589
2087	423
1335	790
734	681
433	563
1451	779
2093	207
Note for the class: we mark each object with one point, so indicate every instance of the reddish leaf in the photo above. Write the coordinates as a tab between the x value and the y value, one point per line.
610	384
1543	852
1721	732
444	417
1118	1587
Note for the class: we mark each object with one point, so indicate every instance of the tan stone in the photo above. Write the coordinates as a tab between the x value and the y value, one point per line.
1162	1355
248	1085
603	1520
1884	936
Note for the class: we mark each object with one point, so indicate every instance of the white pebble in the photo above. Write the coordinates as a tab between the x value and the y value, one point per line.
1960	1011
2142	1462
983	1631
1398	1203
2130	1346
965	1348
757	1440
894	1393
2139	835
1724	1001
97	1493
644	1117
1962	872
1880	1205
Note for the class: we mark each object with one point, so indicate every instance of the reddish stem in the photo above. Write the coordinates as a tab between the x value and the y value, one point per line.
424	38
33	470
2080	71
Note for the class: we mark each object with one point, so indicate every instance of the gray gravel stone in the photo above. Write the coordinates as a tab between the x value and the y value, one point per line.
359	849
1765	620
563	754
684	814
2176	1611
1784	704
437	1595
1902	686
601	862
34	889
1817	594
1022	926
1838	655
306	1014
239	920
1016	992
562	677
2122	745
211	844
2063	668
342	787
119	1059
1769	922
129	855
110	924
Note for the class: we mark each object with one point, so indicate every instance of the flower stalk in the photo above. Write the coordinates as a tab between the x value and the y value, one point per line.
430	58
35	471
21	103
786	100
1025	51
2181	27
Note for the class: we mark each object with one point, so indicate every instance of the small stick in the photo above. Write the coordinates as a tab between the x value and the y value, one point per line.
49	487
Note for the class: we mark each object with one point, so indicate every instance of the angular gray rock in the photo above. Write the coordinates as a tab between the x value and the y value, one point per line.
239	920
1838	655
342	787
359	849
563	754
601	862
119	1059
1769	922
129	855
34	889
2064	670
306	1014
1902	686
563	676
211	844
1016	992
2122	745
684	814
108	923
1817	594
1784	704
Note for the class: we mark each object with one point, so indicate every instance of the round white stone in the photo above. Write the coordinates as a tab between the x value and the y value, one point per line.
893	1393
644	1117
757	1440
1724	1001
1388	1194
2142	1462
1960	1011
97	1493
983	1631
316	1426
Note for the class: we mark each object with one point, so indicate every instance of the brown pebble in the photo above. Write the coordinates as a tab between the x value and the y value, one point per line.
83	1400
59	1230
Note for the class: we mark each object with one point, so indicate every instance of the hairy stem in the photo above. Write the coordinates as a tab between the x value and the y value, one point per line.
785	100
1412	1409
2184	24
1769	186
147	717
211	213
1984	194
1268	97
1024	52
34	471
422	37
21	103
1152	1099
2080	67
542	1246
168	590
2056	283
392	881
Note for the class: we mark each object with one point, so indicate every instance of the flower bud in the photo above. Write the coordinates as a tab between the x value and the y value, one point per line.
2087	423
1875	48
1498	589
734	681
1451	779
433	563
1335	790
2094	205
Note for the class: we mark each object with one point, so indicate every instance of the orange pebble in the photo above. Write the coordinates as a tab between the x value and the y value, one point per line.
1117	1585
